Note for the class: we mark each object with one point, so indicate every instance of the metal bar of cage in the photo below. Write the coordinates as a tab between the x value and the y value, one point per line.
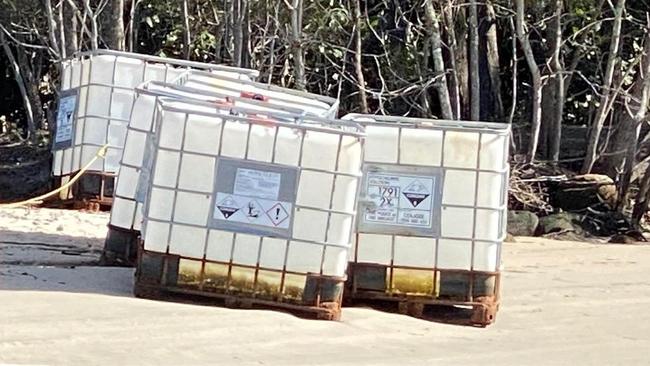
160	60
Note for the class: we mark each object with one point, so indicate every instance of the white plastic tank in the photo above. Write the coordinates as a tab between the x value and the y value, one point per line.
104	83
266	203
434	197
126	211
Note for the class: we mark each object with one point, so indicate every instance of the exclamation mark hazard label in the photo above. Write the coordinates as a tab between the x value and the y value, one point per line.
277	214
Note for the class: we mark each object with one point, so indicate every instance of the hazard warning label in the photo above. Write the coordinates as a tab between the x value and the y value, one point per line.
249	210
401	200
254	197
65	121
227	207
278	214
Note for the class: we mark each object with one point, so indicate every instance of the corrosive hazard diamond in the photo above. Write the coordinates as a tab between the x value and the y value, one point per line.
277	214
416	192
227	207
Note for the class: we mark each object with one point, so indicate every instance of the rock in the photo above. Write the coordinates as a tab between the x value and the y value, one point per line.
572	236
591	179
559	223
630	237
602	220
608	194
584	191
623	239
522	223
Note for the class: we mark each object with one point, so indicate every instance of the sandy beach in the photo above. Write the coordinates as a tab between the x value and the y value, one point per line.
564	303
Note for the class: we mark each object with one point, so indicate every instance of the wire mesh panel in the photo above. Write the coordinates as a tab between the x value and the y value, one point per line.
432	212
264	210
103	82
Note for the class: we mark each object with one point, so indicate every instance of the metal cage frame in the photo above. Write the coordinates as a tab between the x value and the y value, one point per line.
85	59
113	253
321	294
485	305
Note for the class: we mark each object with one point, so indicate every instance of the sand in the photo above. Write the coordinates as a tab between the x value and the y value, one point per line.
58	237
564	303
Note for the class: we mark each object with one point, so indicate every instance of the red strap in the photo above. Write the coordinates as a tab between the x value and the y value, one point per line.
255	96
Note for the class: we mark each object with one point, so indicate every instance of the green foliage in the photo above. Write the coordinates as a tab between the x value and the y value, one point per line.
396	60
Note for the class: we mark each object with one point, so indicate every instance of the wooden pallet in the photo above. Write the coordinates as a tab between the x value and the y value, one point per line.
327	311
481	312
120	247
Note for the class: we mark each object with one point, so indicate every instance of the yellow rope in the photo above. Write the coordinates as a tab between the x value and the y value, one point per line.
36	200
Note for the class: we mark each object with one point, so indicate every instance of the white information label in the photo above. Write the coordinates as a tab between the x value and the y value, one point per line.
64	119
257	183
252	210
402	200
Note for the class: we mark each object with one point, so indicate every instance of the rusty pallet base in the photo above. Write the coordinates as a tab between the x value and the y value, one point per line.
90	205
329	311
78	200
120	247
481	312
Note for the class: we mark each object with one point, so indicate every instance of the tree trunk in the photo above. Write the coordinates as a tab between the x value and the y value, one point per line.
554	135
296	45
187	32
52	28
113	25
61	26
132	28
438	62
94	35
228	28
637	111
70	29
549	102
462	64
515	75
31	66
20	81
276	27
425	97
524	41
603	109
452	43
493	62
642	199
237	32
246	38
550	97
358	66
474	74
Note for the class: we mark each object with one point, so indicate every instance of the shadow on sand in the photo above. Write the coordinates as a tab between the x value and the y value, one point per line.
50	262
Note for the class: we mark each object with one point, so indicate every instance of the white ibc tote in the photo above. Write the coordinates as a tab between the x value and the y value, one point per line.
126	212
250	206
432	215
97	93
